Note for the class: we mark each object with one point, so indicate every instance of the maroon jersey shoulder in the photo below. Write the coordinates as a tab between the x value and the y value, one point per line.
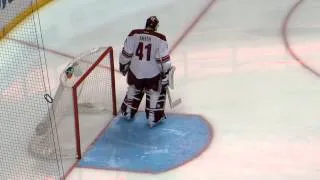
144	31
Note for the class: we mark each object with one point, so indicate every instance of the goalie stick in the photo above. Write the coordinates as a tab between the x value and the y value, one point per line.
174	103
178	101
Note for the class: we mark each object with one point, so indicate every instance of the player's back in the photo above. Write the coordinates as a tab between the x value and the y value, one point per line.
147	48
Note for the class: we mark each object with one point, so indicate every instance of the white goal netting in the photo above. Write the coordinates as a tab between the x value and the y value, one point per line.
81	107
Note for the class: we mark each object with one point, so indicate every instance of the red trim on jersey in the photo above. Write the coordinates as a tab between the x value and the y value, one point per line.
149	32
163	59
126	54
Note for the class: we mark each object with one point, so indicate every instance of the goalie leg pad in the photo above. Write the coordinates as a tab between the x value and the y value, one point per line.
131	102
155	104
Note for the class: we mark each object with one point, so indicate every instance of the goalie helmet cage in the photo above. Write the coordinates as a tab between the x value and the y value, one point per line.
87	88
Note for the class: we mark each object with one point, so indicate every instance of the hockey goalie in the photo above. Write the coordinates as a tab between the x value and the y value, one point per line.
146	62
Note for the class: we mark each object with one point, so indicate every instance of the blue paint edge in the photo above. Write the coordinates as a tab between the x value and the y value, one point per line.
211	136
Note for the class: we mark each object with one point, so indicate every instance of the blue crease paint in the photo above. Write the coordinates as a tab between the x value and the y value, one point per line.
133	146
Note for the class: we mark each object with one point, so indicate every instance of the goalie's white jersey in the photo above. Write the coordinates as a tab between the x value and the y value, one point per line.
148	52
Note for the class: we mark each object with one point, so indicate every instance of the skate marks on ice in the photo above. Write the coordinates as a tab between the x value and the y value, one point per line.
134	147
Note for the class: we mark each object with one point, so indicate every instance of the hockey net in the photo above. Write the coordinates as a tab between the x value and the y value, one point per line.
83	103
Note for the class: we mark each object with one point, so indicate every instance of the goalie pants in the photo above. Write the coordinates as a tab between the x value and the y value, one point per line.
155	97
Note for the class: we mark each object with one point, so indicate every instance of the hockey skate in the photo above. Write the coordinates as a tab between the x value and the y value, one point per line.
126	116
153	123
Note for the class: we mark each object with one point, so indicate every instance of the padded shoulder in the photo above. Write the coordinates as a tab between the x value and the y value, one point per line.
144	31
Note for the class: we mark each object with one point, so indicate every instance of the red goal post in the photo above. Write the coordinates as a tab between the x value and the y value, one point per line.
108	51
86	96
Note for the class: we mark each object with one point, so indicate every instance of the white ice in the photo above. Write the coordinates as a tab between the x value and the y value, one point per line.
232	69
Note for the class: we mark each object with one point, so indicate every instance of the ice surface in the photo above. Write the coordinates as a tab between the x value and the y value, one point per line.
232	69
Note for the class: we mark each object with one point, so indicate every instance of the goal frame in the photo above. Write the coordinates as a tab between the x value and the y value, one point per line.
108	51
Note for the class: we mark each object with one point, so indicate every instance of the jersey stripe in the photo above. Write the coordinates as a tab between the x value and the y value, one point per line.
163	59
126	54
